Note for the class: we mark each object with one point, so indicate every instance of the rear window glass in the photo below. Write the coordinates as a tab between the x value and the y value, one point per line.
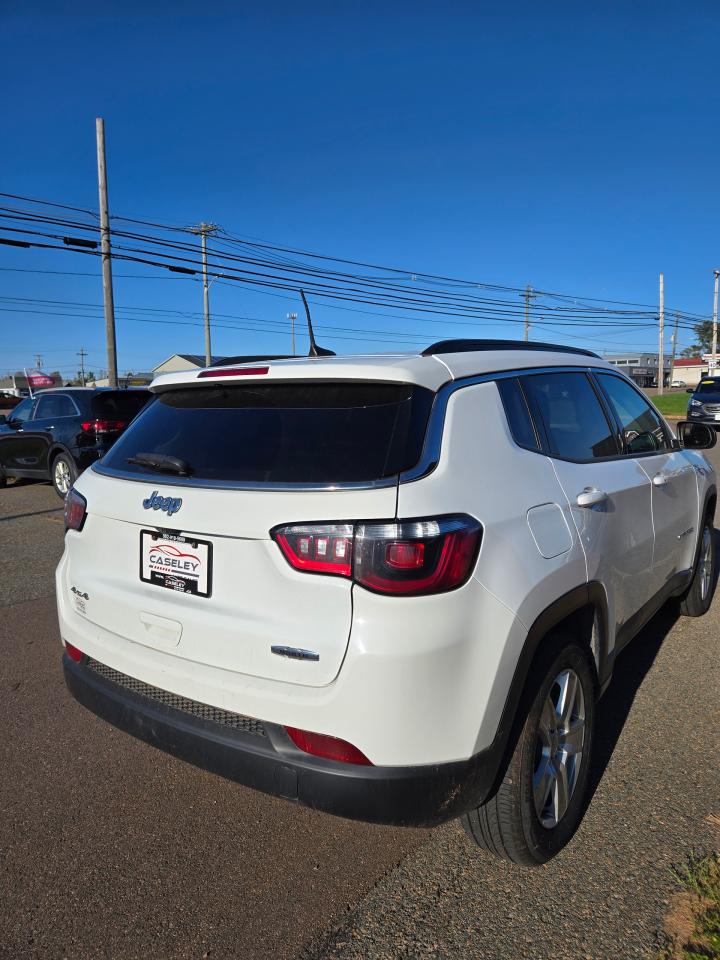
517	413
282	433
120	404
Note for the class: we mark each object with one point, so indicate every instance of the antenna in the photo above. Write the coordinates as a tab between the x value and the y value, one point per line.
315	350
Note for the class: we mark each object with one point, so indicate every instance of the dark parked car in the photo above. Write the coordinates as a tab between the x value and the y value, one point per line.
58	433
704	407
8	399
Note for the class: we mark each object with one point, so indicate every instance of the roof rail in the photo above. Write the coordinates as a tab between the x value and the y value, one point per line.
469	346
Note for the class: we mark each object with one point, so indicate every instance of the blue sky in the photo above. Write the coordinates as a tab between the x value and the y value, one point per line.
573	147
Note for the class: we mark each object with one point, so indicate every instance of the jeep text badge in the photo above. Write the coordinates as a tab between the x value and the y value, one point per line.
169	505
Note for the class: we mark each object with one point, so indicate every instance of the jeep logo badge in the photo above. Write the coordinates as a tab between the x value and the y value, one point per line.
169	505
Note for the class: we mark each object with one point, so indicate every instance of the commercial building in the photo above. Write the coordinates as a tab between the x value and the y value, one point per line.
641	367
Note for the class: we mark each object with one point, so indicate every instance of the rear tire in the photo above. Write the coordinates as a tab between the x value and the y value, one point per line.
3	478
696	602
63	474
541	800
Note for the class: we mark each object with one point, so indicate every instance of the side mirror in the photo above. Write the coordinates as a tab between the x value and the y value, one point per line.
696	436
689	390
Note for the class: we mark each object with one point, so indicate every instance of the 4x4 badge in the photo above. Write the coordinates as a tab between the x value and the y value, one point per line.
169	505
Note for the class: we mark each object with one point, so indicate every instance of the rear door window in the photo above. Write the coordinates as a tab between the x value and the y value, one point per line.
53	406
289	433
574	420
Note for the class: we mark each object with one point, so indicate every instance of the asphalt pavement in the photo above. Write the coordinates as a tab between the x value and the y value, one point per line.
109	848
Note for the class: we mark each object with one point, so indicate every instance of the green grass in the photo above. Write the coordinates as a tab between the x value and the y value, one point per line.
700	878
671	404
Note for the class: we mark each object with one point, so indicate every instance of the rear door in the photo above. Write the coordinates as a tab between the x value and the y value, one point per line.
674	484
23	452
609	496
256	457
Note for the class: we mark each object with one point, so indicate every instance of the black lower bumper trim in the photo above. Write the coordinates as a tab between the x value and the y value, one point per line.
402	796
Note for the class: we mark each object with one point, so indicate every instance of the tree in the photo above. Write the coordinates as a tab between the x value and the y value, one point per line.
703	332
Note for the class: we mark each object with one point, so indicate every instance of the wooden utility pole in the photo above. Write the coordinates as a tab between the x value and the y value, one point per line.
661	352
82	354
528	294
674	349
203	229
713	362
106	256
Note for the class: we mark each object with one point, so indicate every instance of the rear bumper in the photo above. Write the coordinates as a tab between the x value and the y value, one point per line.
403	796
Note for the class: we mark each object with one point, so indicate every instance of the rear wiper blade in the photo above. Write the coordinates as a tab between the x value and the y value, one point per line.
162	461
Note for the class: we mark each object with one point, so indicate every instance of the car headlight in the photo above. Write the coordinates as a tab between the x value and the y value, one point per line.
695	403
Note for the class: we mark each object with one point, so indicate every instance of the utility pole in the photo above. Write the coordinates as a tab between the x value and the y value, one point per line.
106	258
661	352
528	297
38	361
713	362
82	354
203	229
292	317
674	339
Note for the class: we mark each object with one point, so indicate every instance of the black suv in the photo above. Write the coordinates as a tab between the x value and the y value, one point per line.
704	407
58	433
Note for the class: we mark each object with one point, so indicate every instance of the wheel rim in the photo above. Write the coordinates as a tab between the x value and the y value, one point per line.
705	563
559	748
62	476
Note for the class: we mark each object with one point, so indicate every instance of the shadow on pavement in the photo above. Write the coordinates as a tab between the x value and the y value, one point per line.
630	670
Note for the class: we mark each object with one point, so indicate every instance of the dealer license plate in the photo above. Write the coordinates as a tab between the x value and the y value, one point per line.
177	563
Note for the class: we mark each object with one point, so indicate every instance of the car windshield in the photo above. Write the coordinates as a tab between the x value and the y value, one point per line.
708	386
287	432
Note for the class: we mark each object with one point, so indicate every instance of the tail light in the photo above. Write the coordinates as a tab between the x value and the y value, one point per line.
331	748
103	426
404	558
75	510
73	652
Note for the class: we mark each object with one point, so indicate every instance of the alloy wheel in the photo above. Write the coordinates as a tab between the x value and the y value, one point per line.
705	563
559	748
62	477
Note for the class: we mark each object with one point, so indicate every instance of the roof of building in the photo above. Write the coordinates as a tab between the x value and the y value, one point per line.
690	362
195	358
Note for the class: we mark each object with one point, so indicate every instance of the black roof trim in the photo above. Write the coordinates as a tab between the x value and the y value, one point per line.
470	346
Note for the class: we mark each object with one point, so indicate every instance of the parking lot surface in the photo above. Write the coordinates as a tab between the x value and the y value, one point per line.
109	848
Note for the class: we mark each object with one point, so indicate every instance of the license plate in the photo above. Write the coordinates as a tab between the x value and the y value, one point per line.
717	416
177	563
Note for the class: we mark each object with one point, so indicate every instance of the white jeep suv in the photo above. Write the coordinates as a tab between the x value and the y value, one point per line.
388	587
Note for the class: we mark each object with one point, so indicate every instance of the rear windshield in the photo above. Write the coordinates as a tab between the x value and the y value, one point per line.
291	433
708	386
120	404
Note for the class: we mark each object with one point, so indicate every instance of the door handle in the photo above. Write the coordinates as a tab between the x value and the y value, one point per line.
660	480
590	496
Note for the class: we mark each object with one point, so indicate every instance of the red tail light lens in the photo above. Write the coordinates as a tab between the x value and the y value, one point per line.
408	557
73	652
414	557
234	372
75	510
103	426
331	748
317	548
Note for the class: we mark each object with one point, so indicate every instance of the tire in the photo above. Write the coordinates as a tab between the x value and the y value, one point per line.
63	474
3	478
520	822
696	602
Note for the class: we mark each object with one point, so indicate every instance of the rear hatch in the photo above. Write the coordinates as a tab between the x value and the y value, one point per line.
186	564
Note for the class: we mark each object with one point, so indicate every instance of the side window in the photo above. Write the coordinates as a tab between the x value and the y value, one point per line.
22	411
576	426
516	410
53	406
642	428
